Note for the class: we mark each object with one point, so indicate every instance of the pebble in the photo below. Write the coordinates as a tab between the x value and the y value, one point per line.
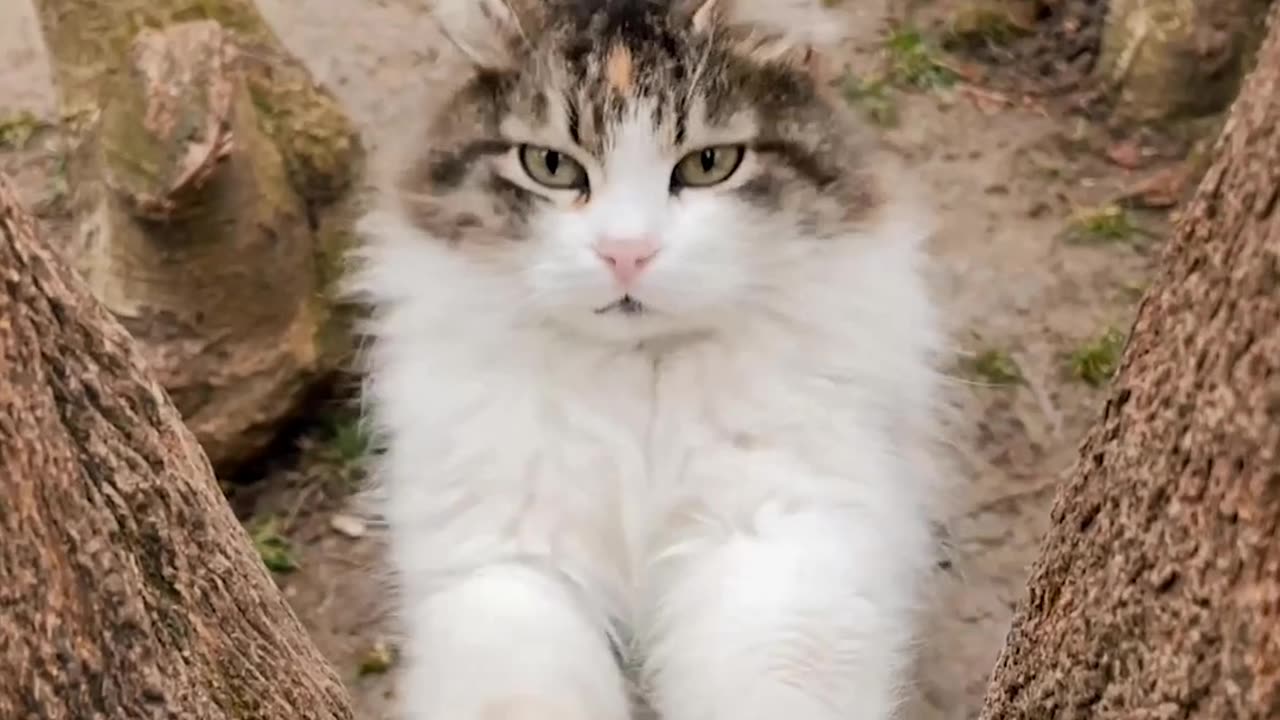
349	526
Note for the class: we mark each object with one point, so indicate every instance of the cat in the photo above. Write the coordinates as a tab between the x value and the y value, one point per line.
652	362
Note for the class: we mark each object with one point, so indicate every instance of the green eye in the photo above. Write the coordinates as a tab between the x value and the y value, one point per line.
708	166
552	168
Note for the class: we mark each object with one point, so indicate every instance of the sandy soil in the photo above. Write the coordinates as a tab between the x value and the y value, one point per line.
1007	179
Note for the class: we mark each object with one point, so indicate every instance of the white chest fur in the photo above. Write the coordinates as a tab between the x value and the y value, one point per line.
597	464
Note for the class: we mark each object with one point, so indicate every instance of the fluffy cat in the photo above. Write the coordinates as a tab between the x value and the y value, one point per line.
652	363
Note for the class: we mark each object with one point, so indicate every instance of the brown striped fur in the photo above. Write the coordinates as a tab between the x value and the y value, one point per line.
584	64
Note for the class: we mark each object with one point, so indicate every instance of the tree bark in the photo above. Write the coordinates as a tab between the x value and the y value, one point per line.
129	590
213	197
1172	59
1157	591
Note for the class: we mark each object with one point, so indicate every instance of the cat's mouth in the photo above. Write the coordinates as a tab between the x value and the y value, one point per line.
625	305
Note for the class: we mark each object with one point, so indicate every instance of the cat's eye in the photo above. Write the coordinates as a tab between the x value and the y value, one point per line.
708	166
552	168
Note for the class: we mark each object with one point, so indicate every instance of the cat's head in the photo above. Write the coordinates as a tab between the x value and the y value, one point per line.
640	167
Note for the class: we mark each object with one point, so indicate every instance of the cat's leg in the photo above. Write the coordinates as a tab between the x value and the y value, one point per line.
510	569
507	583
791	608
508	642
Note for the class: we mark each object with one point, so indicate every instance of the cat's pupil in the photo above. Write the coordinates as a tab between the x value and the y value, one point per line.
552	161
708	160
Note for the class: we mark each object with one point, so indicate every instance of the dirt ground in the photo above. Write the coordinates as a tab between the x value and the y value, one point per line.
1032	276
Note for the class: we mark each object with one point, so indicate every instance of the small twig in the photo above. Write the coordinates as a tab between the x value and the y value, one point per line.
1041	395
1012	496
980	94
291	517
976	462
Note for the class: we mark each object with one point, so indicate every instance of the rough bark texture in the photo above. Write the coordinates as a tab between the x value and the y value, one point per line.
1157	593
1169	59
130	591
213	189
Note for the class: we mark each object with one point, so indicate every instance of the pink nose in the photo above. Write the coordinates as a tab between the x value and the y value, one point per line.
626	259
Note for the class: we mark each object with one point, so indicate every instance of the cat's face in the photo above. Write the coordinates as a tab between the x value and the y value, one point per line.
637	167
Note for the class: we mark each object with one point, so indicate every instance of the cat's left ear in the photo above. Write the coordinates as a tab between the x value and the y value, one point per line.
491	33
768	30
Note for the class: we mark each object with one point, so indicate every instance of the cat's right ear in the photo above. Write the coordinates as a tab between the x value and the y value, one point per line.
490	33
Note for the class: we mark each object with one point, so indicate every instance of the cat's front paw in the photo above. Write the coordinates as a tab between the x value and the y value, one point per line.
529	706
525	701
515	706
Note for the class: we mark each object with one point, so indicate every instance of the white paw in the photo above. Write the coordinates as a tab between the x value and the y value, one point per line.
534	707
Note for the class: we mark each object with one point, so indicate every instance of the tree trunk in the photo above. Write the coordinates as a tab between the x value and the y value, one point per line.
1157	592
129	590
1170	59
213	188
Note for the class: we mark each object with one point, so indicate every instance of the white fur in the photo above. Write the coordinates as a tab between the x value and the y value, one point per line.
732	489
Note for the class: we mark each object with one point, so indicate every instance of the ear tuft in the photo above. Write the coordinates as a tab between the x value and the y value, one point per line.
489	32
769	29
